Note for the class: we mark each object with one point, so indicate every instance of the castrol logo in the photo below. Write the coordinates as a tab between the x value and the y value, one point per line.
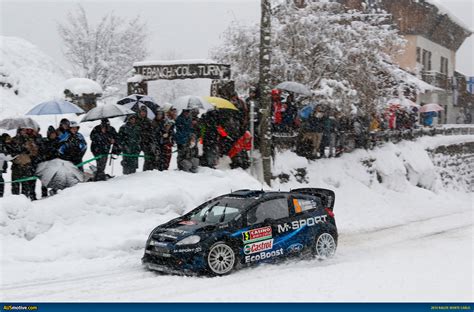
258	247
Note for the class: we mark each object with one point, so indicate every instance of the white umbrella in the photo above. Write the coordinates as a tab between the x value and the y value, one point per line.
59	174
296	87
55	107
18	122
403	102
431	107
190	102
107	111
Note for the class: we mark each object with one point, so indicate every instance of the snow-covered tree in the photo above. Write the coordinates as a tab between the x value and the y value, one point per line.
344	56
104	52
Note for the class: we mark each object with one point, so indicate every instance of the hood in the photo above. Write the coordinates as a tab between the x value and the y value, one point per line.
178	229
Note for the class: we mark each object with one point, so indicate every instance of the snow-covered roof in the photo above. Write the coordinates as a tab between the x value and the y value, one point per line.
413	80
176	62
443	10
81	86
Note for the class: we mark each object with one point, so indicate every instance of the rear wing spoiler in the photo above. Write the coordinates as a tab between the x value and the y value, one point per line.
328	197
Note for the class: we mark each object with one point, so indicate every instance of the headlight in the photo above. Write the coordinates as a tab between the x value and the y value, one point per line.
190	240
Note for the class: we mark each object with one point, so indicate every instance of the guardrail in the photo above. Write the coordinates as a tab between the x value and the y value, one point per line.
372	139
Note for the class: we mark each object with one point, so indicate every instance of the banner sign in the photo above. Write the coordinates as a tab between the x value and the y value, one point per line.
183	71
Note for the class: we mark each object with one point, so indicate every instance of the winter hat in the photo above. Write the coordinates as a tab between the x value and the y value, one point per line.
50	130
276	92
73	124
64	121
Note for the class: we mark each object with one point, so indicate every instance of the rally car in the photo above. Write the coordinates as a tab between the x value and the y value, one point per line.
244	228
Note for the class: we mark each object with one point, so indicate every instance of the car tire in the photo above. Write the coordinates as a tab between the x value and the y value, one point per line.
221	259
324	246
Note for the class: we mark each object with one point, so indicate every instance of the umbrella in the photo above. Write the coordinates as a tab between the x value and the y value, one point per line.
431	107
55	107
4	158
136	107
306	111
137	99
220	102
59	174
107	111
295	87
403	102
19	122
190	102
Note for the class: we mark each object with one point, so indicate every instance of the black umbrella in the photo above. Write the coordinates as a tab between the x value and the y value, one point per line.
135	101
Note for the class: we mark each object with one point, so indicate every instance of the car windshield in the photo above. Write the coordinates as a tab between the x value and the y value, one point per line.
221	210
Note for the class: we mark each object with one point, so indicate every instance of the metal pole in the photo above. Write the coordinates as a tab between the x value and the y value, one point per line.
252	132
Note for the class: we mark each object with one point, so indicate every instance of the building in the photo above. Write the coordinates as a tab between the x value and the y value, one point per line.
82	92
433	36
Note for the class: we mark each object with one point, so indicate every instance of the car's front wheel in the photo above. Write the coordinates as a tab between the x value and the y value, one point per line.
324	246
220	259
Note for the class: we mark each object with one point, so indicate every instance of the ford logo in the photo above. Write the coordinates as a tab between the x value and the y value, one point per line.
295	248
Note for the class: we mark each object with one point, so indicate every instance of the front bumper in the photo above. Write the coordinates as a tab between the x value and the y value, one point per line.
169	261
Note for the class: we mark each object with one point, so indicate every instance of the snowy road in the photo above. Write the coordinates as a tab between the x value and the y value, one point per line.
427	260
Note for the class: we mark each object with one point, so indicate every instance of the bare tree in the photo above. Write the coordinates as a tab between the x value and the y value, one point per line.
104	52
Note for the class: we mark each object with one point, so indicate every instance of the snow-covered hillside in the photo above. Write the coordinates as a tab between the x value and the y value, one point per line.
94	233
35	75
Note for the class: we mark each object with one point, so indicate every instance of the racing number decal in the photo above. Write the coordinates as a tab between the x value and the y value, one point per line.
246	236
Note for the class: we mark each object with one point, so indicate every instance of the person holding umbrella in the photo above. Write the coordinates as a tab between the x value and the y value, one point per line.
63	127
72	145
184	130
25	148
147	143
49	147
129	143
103	138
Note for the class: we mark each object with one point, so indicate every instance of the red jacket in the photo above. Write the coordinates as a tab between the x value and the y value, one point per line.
244	143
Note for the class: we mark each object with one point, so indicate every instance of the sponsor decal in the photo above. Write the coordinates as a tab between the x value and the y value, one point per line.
156	243
185	250
295	248
256	235
189	222
178	231
264	255
258	246
164	235
300	223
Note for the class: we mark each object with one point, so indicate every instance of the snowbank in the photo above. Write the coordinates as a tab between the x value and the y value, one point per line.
35	76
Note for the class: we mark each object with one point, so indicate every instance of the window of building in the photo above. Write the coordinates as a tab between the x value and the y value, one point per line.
444	65
418	55
426	60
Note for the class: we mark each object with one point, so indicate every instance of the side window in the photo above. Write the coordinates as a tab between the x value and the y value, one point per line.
274	209
306	203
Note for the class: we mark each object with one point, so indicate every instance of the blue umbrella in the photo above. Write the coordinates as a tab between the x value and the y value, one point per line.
306	111
55	107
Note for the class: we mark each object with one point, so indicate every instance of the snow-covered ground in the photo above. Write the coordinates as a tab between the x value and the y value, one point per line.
404	234
398	241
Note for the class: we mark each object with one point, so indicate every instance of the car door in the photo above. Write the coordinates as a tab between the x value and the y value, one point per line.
261	240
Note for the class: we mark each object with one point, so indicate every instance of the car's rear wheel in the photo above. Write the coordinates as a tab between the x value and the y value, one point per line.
324	246
221	258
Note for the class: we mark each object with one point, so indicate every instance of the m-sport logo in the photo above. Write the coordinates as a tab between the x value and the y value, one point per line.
300	223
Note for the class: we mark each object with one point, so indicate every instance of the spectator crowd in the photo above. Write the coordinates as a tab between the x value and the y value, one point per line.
320	131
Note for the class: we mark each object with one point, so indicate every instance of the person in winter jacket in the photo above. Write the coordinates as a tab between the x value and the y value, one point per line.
188	158
163	134
63	126
72	145
48	151
147	143
238	153
129	143
5	140
210	138
278	110
184	130
243	111
104	142
314	131
24	146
